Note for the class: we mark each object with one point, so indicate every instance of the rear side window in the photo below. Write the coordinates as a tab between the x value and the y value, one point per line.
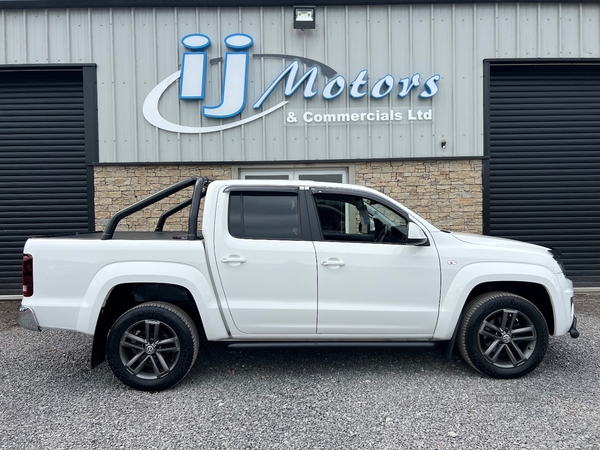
258	215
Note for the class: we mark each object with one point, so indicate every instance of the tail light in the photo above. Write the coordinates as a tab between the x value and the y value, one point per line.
27	275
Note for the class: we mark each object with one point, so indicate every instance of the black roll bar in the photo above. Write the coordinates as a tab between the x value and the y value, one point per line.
199	192
162	219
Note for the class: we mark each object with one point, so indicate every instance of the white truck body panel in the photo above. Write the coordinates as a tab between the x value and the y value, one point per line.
282	290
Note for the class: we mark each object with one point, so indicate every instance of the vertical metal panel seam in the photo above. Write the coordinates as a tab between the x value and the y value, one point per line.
285	141
347	71
305	101
263	120
518	31
454	136
539	36
222	51
200	138
176	53
410	64
155	47
496	31
69	57
25	40
432	55
243	127
47	32
560	43
326	54
4	61
581	49
135	87
90	34
475	81
390	128
112	81
369	127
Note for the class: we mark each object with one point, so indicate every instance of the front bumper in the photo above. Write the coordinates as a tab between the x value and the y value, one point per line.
26	319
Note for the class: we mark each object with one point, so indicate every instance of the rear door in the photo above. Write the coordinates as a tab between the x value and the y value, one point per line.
266	261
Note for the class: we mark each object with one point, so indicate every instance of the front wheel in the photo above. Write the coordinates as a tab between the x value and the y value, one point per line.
152	346
503	335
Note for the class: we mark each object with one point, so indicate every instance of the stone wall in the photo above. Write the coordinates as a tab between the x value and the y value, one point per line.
119	186
447	193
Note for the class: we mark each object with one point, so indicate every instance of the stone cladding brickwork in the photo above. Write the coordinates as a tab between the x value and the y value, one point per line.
119	186
446	192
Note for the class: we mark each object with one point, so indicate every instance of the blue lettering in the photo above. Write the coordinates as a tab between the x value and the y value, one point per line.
235	79
431	87
193	67
386	83
408	83
338	84
358	82
291	71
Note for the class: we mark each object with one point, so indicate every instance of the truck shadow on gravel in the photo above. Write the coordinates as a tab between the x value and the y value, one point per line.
218	362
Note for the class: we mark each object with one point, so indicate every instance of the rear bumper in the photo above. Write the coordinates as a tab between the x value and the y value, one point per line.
26	319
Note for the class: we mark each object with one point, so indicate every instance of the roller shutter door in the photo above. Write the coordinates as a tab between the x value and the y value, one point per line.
44	181
542	179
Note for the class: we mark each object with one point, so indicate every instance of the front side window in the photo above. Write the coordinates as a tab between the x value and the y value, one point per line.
358	219
258	215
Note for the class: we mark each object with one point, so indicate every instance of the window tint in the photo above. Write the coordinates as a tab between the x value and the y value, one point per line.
260	215
358	219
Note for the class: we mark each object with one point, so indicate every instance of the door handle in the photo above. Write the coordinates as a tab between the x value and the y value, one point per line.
333	262
233	259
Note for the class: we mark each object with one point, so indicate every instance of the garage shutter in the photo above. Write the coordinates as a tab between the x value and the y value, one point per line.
43	173
543	175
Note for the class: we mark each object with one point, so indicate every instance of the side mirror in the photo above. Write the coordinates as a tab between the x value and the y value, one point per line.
416	236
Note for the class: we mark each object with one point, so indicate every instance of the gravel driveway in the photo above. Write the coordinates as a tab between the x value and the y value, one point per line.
299	398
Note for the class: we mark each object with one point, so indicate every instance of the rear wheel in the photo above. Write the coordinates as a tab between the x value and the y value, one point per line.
503	335
152	346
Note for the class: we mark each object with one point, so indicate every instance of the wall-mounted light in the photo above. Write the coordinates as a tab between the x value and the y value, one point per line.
444	145
304	17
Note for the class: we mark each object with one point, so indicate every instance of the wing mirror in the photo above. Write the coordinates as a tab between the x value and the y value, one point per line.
416	236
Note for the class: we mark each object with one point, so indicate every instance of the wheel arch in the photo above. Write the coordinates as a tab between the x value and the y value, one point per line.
535	283
534	292
119	286
125	296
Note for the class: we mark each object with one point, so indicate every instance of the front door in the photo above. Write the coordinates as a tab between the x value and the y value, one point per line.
265	262
370	280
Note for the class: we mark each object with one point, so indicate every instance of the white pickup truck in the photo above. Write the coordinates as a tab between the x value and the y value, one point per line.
278	262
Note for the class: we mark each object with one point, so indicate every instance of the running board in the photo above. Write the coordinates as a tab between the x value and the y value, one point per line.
357	345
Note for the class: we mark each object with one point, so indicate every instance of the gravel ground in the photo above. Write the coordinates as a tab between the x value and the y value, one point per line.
299	399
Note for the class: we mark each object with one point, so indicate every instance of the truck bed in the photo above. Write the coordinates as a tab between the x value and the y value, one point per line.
128	236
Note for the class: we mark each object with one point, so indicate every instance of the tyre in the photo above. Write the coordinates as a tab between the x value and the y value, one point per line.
152	346
503	335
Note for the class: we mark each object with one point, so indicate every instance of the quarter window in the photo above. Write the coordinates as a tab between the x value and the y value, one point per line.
264	216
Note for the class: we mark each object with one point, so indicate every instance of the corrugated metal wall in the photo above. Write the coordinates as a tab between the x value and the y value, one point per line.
43	173
137	48
543	174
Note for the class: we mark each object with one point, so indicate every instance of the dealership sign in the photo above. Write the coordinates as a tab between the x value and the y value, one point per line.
192	81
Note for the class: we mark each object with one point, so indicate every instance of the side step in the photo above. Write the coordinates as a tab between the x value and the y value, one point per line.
351	345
